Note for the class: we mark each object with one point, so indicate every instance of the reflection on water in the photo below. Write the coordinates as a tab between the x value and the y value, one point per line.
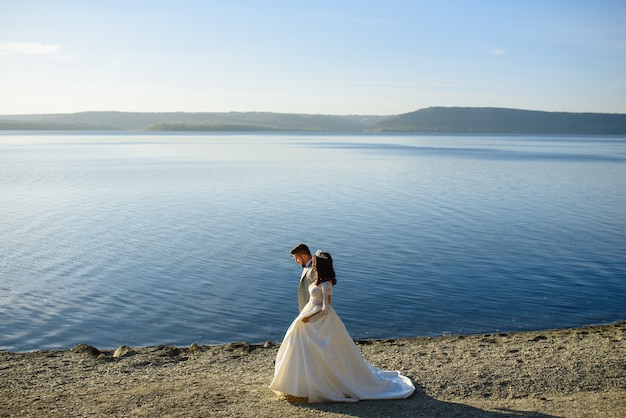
144	239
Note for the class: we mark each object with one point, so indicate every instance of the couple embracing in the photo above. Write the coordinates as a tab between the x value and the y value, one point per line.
318	359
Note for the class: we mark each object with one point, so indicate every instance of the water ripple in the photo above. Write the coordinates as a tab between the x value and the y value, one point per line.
143	240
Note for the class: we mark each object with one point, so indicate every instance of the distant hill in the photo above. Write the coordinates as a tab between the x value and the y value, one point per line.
499	120
188	121
38	125
429	120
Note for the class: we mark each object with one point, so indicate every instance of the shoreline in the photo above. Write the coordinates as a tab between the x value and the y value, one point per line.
358	341
572	372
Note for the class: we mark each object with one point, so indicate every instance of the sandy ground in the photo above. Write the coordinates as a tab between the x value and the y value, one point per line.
564	373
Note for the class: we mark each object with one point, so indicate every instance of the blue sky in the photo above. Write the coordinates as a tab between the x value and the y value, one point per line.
318	57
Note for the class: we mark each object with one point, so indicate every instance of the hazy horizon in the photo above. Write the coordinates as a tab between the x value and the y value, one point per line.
294	113
329	58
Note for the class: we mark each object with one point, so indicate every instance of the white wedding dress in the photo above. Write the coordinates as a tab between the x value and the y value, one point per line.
319	360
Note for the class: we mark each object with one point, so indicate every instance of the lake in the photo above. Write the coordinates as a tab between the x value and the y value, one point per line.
140	239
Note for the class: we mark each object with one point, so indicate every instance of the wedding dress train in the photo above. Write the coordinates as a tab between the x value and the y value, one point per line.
319	360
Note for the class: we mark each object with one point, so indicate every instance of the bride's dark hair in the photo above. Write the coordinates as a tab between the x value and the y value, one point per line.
323	265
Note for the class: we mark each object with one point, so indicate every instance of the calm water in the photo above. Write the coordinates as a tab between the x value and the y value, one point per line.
146	239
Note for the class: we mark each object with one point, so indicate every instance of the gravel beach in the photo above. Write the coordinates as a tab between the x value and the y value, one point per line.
557	373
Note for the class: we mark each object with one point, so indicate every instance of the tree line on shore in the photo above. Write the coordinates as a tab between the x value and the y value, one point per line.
428	120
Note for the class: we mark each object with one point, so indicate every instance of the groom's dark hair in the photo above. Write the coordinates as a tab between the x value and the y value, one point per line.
300	248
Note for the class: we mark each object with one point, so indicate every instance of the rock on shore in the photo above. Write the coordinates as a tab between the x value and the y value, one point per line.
567	373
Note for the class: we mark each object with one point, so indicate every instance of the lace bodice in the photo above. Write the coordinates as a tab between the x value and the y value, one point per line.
319	296
321	292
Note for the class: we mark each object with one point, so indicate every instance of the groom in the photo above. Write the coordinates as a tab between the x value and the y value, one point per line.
302	255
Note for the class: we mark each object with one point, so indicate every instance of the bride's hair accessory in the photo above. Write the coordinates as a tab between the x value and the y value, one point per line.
321	254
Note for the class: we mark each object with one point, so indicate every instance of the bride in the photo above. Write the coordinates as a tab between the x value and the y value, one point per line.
319	360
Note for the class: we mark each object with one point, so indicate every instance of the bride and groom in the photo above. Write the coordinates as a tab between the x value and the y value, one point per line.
318	359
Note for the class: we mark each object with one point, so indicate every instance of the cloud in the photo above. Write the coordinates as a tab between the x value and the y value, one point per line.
362	82
497	51
29	48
